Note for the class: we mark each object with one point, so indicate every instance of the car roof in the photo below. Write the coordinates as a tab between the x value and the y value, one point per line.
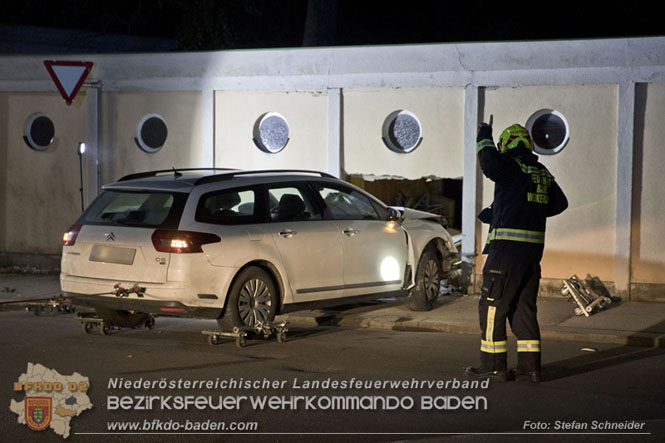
184	180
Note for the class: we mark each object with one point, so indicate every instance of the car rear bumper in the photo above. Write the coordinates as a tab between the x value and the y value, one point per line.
157	307
177	298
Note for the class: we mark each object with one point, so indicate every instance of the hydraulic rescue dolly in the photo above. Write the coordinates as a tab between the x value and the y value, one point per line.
38	306
107	324
90	320
55	304
586	301
262	330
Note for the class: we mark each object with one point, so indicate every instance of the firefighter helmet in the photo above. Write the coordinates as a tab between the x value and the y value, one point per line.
512	136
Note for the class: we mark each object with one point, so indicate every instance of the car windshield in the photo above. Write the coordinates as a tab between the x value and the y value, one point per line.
141	208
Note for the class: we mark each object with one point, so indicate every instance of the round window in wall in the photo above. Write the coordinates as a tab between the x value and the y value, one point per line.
271	133
402	132
151	133
549	131
39	131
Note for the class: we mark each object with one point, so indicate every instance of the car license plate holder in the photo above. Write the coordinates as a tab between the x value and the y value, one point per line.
112	254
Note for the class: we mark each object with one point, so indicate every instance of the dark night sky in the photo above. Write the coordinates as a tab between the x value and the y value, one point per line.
232	24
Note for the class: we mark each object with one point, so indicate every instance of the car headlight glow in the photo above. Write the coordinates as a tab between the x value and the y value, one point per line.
389	269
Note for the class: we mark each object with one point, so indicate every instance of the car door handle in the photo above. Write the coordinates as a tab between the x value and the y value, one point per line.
351	232
288	233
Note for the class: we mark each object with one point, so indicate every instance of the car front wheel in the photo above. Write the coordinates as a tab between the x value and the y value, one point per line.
428	281
252	299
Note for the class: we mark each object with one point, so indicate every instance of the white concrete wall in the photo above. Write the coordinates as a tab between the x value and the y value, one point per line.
306	113
648	239
121	114
441	115
211	101
4	104
581	240
41	188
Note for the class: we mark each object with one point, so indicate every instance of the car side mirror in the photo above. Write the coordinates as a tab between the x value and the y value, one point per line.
395	216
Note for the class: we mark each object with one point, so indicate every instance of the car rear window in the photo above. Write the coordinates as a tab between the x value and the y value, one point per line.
136	208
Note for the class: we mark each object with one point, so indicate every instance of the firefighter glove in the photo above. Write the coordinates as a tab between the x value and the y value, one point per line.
484	132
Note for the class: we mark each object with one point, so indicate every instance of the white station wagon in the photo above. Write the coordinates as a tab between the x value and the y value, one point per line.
243	246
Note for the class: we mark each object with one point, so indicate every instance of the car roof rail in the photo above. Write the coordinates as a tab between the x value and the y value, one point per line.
232	174
176	172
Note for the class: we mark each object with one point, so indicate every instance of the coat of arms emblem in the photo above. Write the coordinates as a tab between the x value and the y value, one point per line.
38	412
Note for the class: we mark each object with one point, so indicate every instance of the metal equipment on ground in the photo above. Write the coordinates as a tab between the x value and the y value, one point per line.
240	334
91	320
52	305
587	302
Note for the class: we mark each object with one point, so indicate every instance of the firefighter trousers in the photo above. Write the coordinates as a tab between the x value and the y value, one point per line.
509	291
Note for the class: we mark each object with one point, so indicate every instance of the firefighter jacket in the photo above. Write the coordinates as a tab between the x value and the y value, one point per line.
525	194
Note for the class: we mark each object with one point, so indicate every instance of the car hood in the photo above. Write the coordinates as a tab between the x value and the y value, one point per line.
414	214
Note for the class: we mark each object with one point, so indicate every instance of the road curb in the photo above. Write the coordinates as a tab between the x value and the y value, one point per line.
643	339
395	323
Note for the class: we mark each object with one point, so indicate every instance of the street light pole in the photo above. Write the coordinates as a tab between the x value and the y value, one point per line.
81	151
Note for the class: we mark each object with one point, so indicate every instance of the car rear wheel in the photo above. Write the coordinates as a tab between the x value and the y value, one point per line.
428	281
252	299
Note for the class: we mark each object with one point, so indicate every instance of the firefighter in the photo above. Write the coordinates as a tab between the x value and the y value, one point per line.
525	194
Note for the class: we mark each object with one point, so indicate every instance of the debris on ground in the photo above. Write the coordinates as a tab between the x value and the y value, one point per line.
31	270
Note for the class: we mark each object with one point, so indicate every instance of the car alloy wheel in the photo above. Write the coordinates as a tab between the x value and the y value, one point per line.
254	302
252	298
431	279
428	276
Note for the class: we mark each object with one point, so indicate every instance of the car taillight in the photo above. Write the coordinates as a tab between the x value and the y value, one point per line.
182	242
69	237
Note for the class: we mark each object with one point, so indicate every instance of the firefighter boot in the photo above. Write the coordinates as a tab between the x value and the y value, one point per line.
525	377
528	362
500	376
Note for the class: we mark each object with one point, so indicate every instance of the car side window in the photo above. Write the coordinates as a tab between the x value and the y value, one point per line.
290	203
345	204
228	207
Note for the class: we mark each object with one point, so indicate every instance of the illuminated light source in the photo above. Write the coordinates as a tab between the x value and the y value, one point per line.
80	150
389	269
69	237
390	227
172	309
182	242
178	244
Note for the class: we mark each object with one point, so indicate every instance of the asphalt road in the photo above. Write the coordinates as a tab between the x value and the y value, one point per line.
610	386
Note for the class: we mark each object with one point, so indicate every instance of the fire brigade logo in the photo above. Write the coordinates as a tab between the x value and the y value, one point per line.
38	412
51	400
